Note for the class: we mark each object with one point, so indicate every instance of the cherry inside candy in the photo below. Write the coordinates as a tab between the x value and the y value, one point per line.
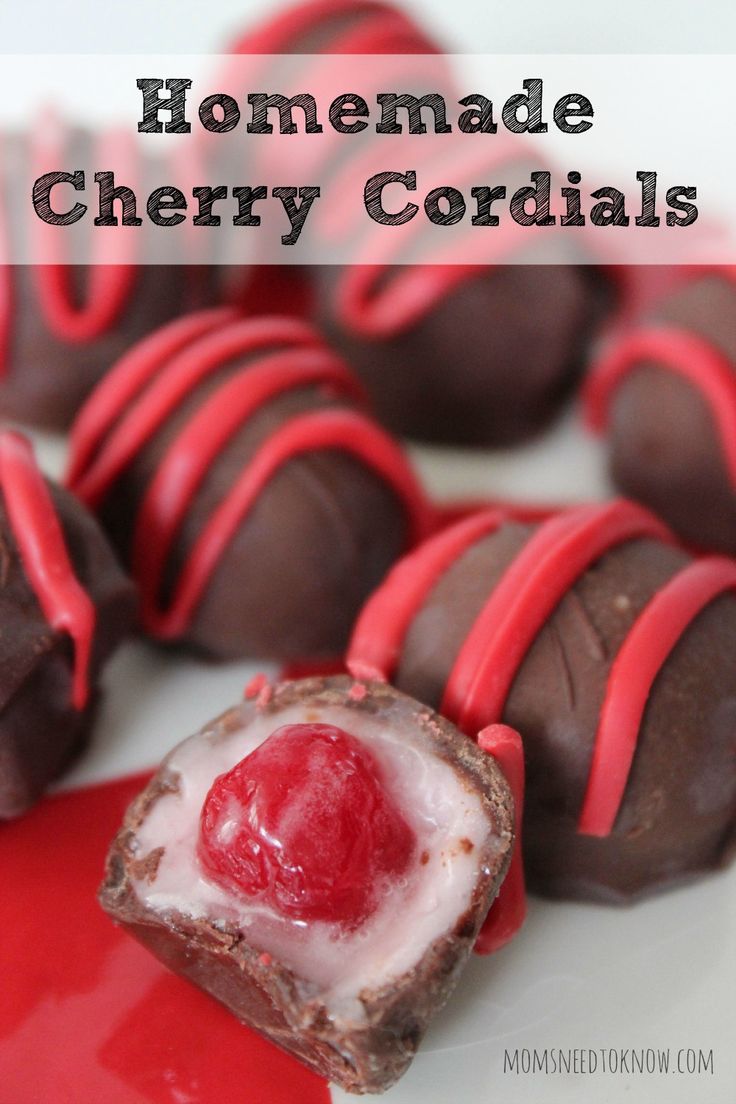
305	824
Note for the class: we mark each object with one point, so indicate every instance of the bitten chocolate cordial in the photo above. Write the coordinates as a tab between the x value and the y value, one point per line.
666	395
64	607
611	651
320	859
63	324
255	502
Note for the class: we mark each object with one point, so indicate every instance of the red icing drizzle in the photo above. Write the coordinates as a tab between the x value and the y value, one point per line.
379	633
121	385
152	379
676	350
509	909
651	639
155	378
555	556
65	604
110	285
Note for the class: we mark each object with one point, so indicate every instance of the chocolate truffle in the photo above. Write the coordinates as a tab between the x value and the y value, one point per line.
255	502
666	394
64	607
484	360
330	909
62	325
611	651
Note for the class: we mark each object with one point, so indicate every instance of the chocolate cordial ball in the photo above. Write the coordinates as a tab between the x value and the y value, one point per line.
666	394
64	607
487	360
332	912
611	651
255	502
62	325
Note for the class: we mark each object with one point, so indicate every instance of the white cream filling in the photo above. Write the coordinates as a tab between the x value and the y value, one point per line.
445	815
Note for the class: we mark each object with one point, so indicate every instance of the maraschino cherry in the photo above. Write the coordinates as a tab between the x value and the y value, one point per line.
305	825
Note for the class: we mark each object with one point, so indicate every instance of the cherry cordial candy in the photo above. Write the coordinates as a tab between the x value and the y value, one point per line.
461	356
256	503
63	324
64	607
611	651
666	395
320	859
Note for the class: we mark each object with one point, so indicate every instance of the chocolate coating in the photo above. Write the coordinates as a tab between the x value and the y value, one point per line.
665	447
40	730
678	815
365	1055
490	365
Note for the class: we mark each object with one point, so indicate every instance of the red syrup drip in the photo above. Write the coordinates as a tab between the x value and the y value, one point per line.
651	639
508	912
110	284
153	383
115	1025
676	350
37	532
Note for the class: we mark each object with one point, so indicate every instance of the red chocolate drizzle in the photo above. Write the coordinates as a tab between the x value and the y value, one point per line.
146	387
651	639
678	350
556	555
38	535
